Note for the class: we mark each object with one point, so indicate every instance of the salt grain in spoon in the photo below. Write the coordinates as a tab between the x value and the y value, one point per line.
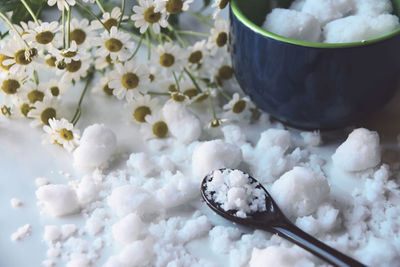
240	198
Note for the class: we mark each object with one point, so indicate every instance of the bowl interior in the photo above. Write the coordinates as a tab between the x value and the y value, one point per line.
253	12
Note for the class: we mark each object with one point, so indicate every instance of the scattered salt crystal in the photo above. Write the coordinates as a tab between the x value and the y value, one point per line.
68	230
326	11
15	202
51	234
182	123
359	152
274	137
98	244
53	252
128	229
87	190
293	24
311	138
79	262
48	263
373	7
138	253
94	225
41	181
97	144
58	200
300	191
279	256
213	155
233	134
143	164
21	232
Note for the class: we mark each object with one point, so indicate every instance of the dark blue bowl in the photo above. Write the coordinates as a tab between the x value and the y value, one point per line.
311	85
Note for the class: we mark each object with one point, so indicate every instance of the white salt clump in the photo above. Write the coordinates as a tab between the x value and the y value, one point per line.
128	229
87	190
233	134
51	234
138	253
379	252
15	202
97	144
274	137
182	123
21	232
359	152
79	262
326	219
213	155
280	256
95	224
300	191
41	181
58	200
194	228
67	230
233	190
293	24
373	7
311	139
143	164
359	27
297	5
223	238
326	11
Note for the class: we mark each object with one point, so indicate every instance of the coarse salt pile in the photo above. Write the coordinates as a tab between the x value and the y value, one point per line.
333	21
235	191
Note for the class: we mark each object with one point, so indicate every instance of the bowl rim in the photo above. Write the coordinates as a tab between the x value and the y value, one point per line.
248	23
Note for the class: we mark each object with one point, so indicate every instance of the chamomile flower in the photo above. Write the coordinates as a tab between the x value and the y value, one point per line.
43	111
109	19
63	133
21	107
43	36
146	16
172	6
156	127
168	86
188	89
196	54
128	80
23	28
221	69
33	93
219	5
75	70
103	62
66	56
102	86
61	4
81	33
238	109
115	44
13	84
54	88
20	58
219	36
169	57
140	107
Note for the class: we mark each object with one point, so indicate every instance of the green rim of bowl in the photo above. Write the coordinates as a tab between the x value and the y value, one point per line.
242	18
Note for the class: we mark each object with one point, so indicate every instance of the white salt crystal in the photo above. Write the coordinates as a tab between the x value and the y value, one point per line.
128	229
87	190
53	253
222	238
359	152
274	137
79	262
379	252
58	200
297	5
300	191
51	234
234	134
41	181
143	164
325	220
15	202
21	232
68	230
293	24
97	144
138	253
182	123
328	10
48	263
279	256
213	155
311	138
373	7
194	228
95	225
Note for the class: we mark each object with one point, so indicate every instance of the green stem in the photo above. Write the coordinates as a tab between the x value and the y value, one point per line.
36	77
178	37
194	33
201	18
78	111
177	82
91	13
122	12
148	45
224	94
69	27
4	35
158	93
100	6
30	12
4	17
212	104
137	47
63	26
193	80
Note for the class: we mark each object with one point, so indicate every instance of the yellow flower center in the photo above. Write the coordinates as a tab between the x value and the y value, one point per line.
174	6
172	88
221	39
69	54
225	72
141	112
79	36
55	91
114	45
195	57
110	23
25	108
2	58
35	96
45	37
47	114
192	92
201	97
108	59
74	66
51	61
10	86
160	129
223	3
215	123
107	90
20	58
239	106
178	97
152	78
130	80
167	60
150	16
66	134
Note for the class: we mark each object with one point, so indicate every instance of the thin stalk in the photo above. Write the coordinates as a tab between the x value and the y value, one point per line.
36	77
158	93
63	26
122	12
4	17
194	33
193	80
69	27
201	18
178	37
177	82
224	94
30	12
134	36
78	111
91	13
148	45
212	105
4	35
137	47
100	6
166	37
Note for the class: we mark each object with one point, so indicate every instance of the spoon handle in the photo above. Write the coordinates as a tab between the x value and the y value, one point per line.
292	233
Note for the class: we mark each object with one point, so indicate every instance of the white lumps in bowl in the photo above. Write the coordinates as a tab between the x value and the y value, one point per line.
300	191
234	191
373	7
360	151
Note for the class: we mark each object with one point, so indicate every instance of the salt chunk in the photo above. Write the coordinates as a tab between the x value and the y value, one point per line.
300	191
51	234
358	28
182	123
359	152
293	24
326	220
128	229
222	238
166	163
58	200
373	7
48	263
274	137
279	256
297	5
213	155
95	225
326	11
233	134
194	228
41	181
79	262
311	139
68	230
378	252
138	253
97	144
87	191
53	252
15	202
21	232
143	164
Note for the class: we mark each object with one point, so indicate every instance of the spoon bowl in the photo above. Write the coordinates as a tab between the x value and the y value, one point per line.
273	220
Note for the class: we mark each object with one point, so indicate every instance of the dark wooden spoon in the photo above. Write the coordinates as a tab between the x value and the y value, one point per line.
273	220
